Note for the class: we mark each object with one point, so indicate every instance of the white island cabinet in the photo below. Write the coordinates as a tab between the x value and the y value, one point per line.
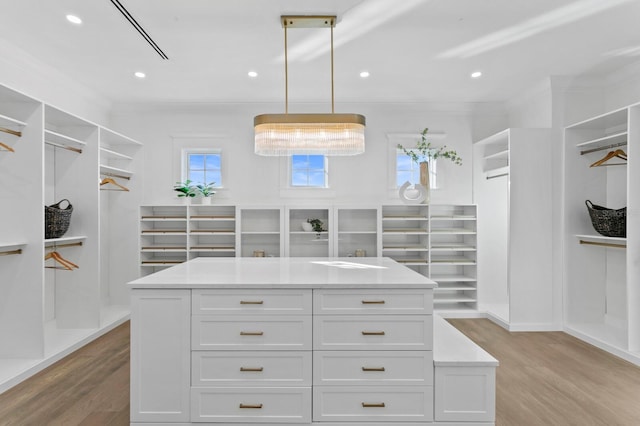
295	341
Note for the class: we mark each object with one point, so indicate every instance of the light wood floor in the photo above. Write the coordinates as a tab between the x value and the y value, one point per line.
544	379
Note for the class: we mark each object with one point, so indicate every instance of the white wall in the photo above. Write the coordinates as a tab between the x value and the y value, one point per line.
24	73
249	178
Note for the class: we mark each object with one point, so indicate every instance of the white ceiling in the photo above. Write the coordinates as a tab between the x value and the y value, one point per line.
415	50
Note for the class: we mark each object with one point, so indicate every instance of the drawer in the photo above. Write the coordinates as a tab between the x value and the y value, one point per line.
373	404
349	368
251	405
373	332
268	368
255	332
239	302
340	302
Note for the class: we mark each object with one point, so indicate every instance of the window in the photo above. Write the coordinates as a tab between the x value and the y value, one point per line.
203	166
309	171
408	170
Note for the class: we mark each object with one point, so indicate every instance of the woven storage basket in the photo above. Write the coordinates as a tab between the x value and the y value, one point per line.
56	219
608	222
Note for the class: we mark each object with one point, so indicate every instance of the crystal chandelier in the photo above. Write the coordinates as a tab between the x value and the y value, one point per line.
325	134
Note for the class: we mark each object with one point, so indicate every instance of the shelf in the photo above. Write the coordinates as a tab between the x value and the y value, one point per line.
405	248
454	287
11	122
107	153
59	138
404	218
412	262
64	240
405	231
500	155
452	247
109	170
357	232
260	233
163	219
453	217
213	232
165	249
308	232
201	218
605	140
453	299
451	278
604	121
461	231
115	138
453	261
601	240
497	172
161	262
212	249
146	232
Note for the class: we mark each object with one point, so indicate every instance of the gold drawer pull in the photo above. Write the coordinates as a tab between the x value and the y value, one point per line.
251	368
373	333
373	302
251	333
250	405
372	368
373	405
251	302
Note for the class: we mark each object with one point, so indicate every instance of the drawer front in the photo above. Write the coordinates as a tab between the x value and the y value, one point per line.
373	332
251	405
255	332
242	302
373	404
340	302
350	368
267	368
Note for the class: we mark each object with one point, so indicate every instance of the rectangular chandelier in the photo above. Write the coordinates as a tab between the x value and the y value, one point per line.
295	134
300	134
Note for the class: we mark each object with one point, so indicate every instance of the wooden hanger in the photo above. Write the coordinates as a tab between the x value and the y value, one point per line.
11	132
6	147
618	153
109	180
66	264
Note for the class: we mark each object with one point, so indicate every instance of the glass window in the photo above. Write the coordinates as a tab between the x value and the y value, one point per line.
408	170
203	167
309	171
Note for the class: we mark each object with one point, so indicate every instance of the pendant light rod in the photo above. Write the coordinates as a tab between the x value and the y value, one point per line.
286	72
332	92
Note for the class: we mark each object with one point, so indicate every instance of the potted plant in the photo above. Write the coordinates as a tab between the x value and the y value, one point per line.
316	225
424	152
206	191
185	189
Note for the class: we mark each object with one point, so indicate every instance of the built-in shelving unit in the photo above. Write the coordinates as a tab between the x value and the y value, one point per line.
301	243
602	273
513	190
261	231
48	311
212	231
163	237
358	230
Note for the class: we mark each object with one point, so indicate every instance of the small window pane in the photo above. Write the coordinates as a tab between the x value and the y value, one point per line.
213	162
316	162
299	179
196	162
403	162
214	176
197	176
309	171
403	177
316	179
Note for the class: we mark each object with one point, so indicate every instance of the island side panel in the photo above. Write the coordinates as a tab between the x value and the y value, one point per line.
160	355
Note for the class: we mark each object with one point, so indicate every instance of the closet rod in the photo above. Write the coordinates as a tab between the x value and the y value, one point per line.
54	245
497	176
70	148
602	148
115	175
11	132
7	253
594	243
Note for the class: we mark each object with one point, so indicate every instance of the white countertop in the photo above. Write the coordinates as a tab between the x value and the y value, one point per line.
286	272
451	348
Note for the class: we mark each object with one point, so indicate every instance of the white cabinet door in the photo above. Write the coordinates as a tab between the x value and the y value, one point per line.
160	355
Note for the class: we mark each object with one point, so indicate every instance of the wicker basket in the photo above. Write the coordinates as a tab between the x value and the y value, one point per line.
608	222
56	219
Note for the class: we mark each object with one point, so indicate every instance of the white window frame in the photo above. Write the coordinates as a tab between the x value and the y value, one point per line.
290	175
186	152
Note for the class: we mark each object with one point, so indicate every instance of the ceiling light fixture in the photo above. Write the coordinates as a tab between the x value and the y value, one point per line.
476	74
364	74
252	74
139	74
325	134
74	19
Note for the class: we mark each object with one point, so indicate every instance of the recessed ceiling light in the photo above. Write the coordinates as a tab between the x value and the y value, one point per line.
139	74
74	19
476	74
252	74
364	74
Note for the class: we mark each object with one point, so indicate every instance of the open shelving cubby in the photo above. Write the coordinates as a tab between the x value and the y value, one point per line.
212	231
163	237
261	231
308	244
405	235
602	290
357	231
